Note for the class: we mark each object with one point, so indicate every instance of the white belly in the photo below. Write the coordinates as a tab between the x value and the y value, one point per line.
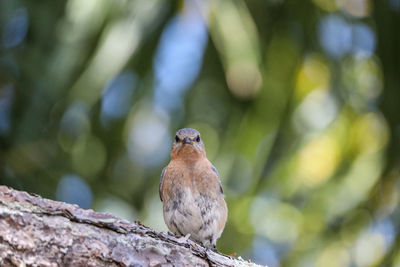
197	216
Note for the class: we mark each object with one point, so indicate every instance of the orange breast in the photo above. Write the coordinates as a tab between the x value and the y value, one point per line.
197	175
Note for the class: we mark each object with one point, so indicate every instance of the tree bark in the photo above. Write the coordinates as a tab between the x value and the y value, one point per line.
39	232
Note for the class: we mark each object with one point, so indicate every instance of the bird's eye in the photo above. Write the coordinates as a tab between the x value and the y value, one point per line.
176	138
198	138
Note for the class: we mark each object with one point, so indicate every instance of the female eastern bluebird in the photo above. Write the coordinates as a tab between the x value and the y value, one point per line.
191	191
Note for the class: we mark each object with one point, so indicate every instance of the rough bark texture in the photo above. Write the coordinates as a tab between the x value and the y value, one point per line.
41	232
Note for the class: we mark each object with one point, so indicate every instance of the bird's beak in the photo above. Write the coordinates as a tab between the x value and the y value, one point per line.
187	140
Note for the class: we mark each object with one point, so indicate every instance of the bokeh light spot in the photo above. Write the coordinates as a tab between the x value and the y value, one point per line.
317	160
357	8
148	140
363	80
317	111
354	185
334	255
335	35
179	56
73	189
74	125
369	249
117	207
244	79
313	74
394	4
117	97
327	5
363	40
265	253
15	29
240	51
369	133
88	156
280	221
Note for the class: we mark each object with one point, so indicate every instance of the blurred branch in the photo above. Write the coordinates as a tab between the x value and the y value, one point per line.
36	231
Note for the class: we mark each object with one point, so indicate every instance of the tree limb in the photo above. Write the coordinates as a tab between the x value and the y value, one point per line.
39	232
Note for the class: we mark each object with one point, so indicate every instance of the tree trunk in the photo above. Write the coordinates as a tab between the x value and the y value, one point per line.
41	232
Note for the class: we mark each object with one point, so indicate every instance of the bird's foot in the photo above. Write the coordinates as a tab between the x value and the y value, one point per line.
212	248
183	239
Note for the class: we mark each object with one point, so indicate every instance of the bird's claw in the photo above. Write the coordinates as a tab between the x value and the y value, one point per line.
183	239
212	248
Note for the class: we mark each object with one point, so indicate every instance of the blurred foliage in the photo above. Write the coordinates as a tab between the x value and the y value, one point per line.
298	103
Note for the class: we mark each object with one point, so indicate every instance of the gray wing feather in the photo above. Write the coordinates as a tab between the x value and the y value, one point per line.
161	182
219	179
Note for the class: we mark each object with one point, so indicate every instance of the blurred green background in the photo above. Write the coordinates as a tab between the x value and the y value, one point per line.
298	103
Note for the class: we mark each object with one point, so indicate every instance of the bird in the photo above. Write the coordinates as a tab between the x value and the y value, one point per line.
191	192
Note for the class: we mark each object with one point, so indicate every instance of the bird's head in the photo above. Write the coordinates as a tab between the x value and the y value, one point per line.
187	143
